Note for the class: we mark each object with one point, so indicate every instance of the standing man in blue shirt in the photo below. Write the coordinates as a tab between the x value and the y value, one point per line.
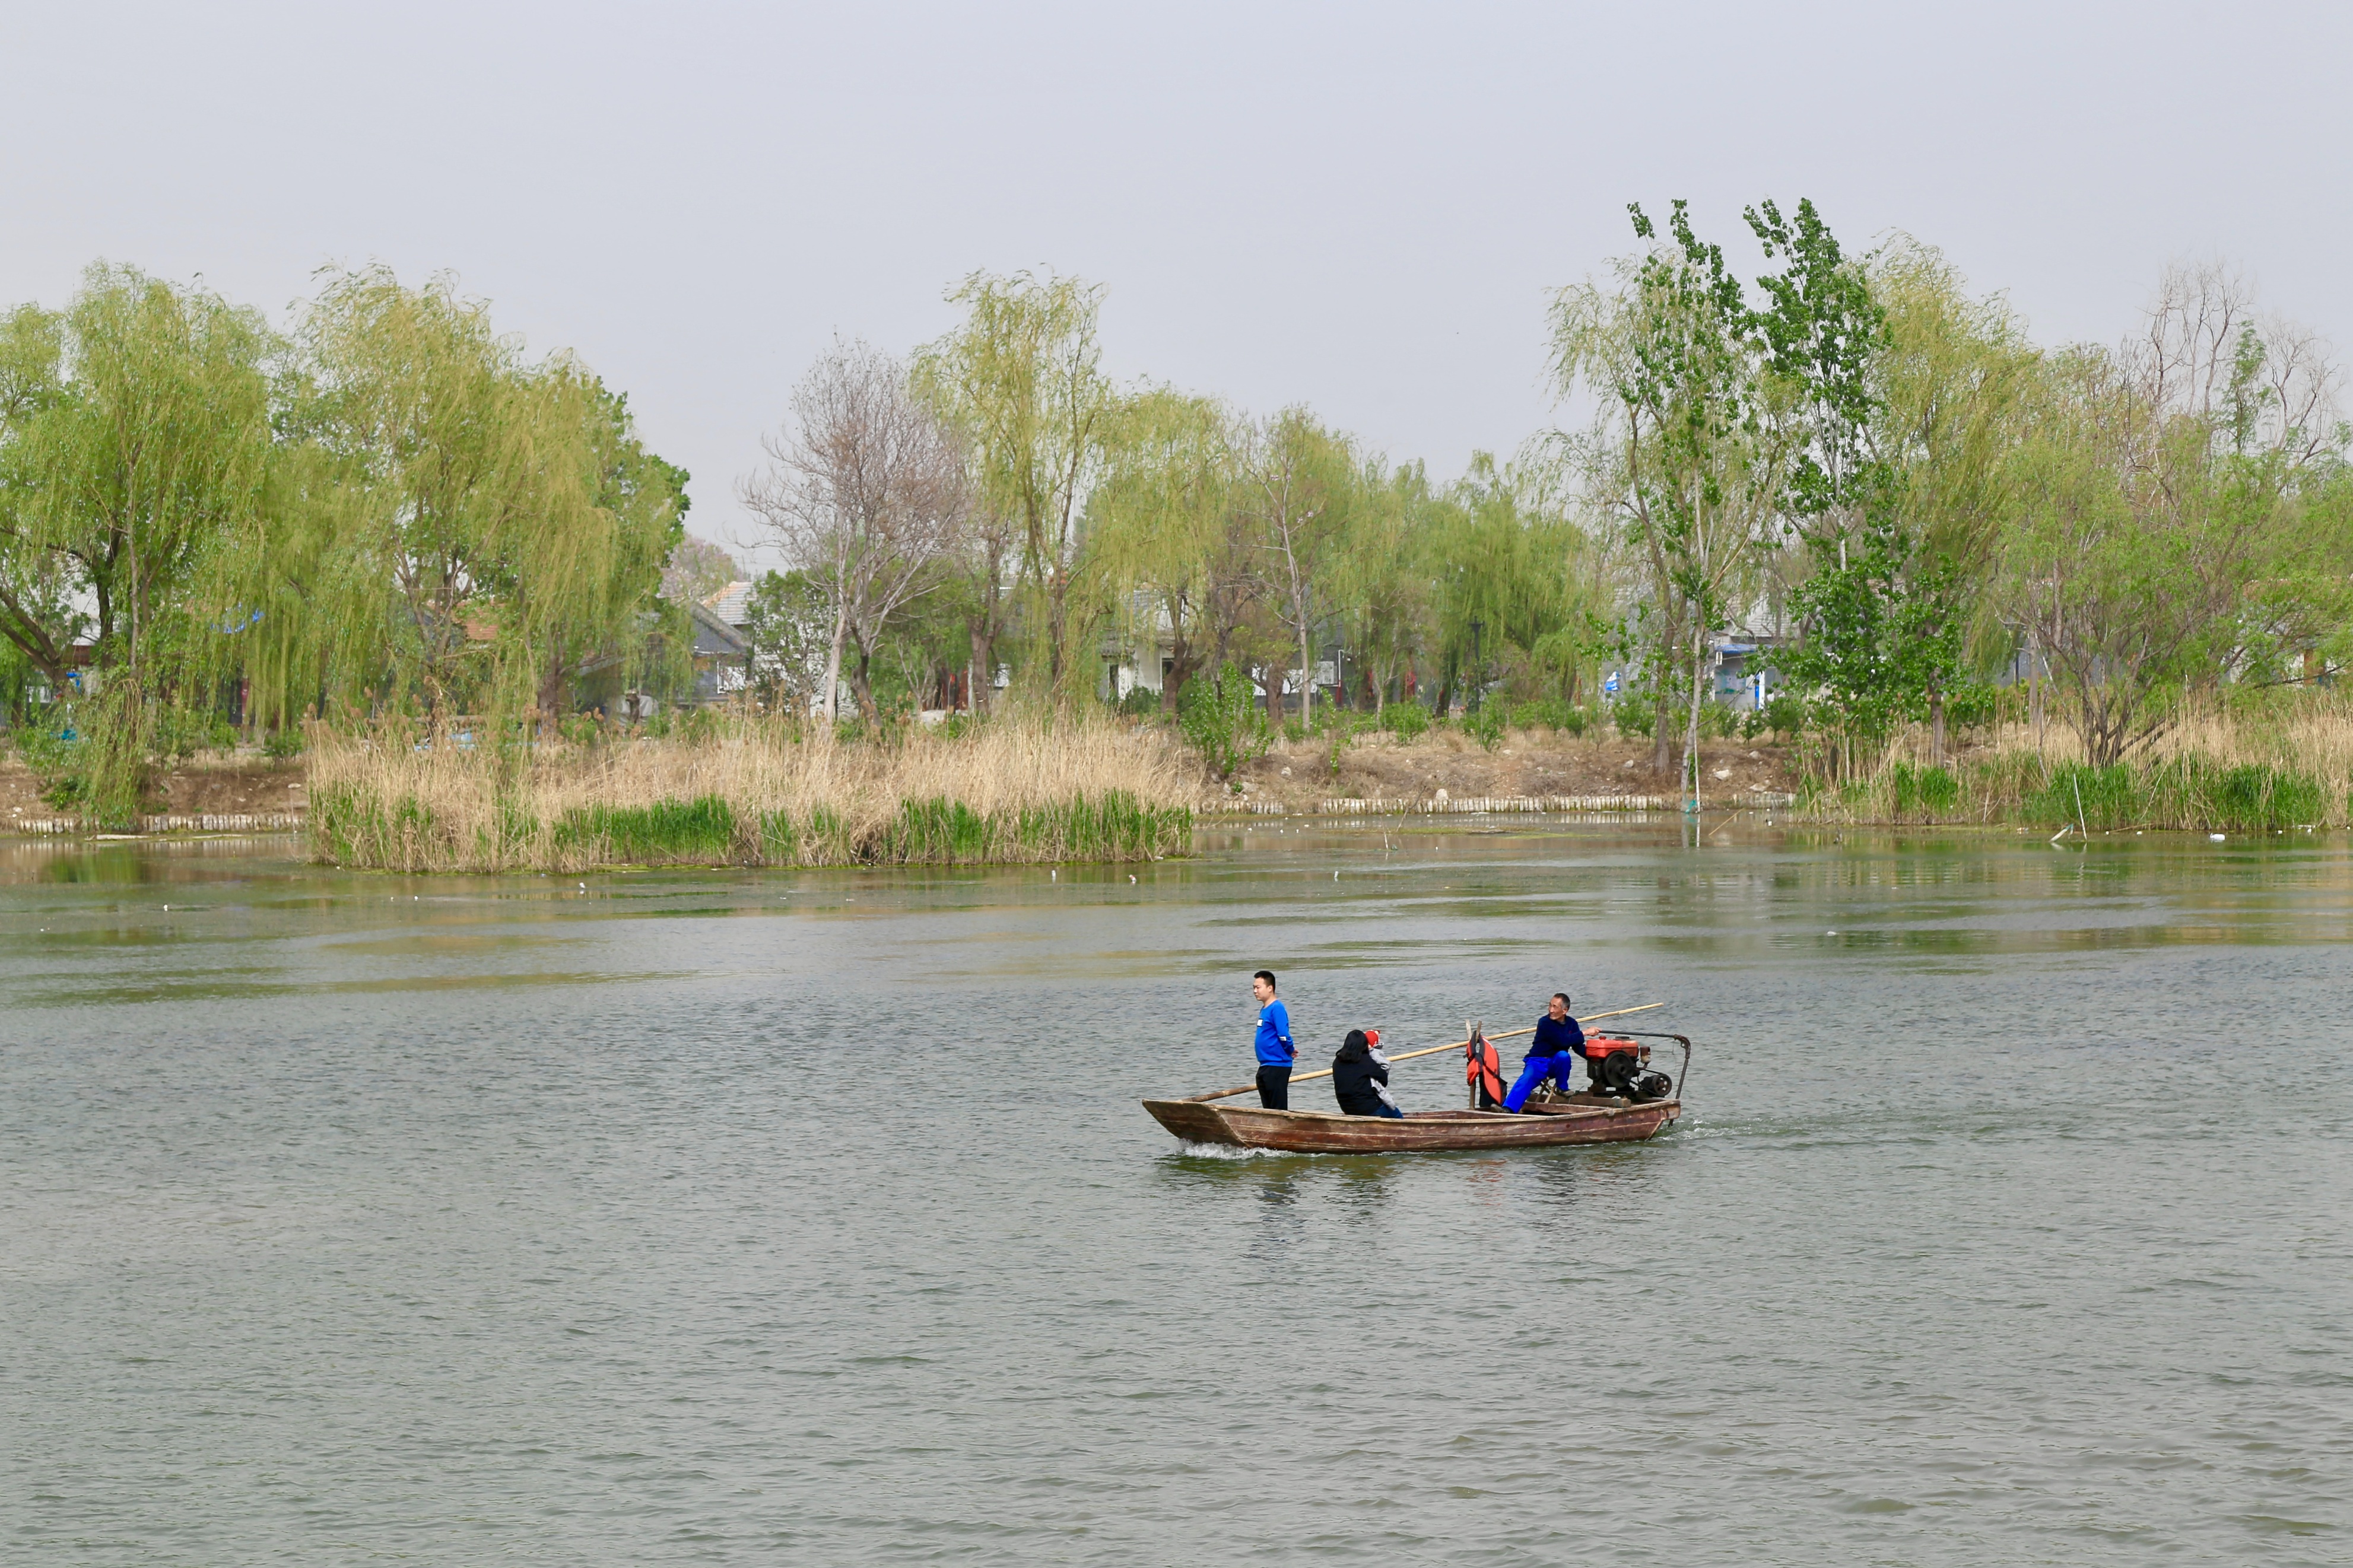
1275	1051
1552	1053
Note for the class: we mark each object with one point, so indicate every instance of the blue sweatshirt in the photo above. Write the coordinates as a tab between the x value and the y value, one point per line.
1274	1046
1556	1040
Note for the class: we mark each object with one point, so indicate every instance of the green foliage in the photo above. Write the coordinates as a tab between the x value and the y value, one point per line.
1690	449
1551	713
1784	714
1408	721
1932	791
283	744
2188	792
182	733
790	630
1023	376
2174	514
1221	718
1972	705
1141	703
356	829
1485	725
52	749
1635	716
699	831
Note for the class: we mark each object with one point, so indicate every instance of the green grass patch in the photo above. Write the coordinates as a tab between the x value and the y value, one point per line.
702	831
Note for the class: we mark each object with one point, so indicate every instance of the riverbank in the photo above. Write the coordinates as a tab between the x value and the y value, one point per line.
2212	773
747	792
1527	770
242	791
1096	787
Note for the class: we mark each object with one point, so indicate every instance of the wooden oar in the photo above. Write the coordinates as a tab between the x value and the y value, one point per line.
1426	1051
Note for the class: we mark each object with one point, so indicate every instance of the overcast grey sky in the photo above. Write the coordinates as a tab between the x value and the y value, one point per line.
1356	206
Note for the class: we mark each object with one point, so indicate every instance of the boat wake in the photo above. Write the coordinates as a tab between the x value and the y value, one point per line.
1190	1150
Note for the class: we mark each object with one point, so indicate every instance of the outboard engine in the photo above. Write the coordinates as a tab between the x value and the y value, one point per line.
1620	1068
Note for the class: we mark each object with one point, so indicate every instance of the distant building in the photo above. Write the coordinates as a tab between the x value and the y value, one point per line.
723	650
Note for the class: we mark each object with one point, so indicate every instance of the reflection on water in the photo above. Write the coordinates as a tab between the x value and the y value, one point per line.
759	1216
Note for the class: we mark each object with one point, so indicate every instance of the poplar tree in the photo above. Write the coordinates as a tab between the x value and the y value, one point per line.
1686	455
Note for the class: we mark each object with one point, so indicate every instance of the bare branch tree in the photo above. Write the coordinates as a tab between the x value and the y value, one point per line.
867	494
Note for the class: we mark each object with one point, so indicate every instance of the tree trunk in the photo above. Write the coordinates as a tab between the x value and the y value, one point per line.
550	691
1270	674
2034	689
833	657
1691	735
1182	669
1057	630
861	687
1935	727
983	663
1306	677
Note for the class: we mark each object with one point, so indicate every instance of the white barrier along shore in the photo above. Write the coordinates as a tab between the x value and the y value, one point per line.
232	822
1382	806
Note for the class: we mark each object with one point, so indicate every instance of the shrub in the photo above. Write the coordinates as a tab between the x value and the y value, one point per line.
1141	703
180	734
1784	714
1485	725
1549	713
282	745
1407	719
1972	706
1636	718
1220	718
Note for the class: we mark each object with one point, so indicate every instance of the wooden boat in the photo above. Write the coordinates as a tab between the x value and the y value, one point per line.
1328	1132
1548	1122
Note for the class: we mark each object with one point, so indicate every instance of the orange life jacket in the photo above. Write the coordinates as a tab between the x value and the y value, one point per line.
1481	1069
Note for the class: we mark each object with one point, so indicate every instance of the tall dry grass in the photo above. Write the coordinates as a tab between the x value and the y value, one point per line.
2276	765
748	791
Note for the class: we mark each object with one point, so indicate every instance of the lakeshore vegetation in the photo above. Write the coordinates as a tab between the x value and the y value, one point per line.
748	790
1982	573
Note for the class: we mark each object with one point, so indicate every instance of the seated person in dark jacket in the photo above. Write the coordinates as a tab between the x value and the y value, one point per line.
1360	1077
1554	1054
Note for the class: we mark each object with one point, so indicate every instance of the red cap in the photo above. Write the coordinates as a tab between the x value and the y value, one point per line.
1372	1036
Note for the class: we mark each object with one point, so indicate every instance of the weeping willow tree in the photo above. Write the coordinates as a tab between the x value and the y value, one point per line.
450	527
134	449
1163	533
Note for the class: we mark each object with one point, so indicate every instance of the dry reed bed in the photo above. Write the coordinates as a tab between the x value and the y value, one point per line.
755	793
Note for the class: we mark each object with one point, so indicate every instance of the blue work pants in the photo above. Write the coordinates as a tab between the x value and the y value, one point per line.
1533	1071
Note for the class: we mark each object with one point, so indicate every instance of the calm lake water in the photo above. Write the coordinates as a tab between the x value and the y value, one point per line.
812	1219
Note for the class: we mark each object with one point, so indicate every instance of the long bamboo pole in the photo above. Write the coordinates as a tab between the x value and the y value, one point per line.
1427	1051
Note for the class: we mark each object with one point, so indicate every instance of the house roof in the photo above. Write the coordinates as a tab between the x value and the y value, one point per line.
732	603
715	636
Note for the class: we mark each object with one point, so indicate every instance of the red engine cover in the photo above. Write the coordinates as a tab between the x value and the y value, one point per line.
1607	1046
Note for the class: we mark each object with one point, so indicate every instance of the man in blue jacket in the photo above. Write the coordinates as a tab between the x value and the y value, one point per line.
1275	1051
1552	1053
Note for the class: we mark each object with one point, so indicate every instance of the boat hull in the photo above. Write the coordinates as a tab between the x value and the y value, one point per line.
1324	1133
